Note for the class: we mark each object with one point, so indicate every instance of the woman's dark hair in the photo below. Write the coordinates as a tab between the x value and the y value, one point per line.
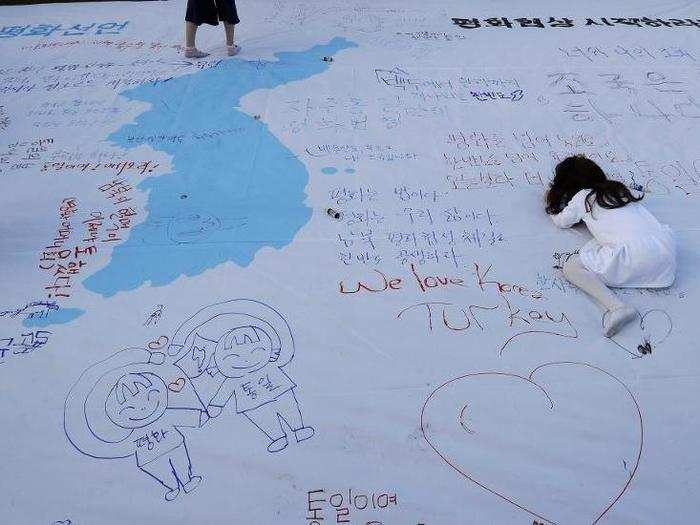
577	173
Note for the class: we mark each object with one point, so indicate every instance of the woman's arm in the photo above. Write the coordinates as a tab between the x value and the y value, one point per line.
573	212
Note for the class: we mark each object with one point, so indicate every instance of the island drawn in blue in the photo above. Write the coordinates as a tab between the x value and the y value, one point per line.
52	316
234	187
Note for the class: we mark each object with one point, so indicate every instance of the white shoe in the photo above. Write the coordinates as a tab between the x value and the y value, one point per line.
615	319
232	50
193	52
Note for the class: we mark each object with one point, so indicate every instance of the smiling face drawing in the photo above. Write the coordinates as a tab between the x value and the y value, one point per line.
243	350
192	228
137	400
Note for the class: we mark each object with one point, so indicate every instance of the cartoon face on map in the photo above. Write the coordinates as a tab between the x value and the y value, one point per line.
193	227
243	350
137	400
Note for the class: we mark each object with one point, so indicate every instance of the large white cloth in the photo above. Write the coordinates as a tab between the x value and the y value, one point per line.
629	249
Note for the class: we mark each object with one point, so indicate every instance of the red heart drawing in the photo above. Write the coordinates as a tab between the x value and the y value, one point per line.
177	385
563	443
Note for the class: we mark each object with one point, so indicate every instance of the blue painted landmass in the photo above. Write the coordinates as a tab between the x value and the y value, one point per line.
234	187
60	316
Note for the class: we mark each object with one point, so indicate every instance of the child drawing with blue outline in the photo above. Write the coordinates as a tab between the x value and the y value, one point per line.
140	402
262	391
123	406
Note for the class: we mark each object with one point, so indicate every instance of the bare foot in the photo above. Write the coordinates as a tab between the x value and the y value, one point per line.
615	319
193	52
232	49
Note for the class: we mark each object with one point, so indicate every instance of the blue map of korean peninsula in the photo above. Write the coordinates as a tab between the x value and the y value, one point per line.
234	187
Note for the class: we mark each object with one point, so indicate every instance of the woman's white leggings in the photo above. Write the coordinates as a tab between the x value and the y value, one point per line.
576	273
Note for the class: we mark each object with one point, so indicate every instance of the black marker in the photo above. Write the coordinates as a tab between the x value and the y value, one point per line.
333	213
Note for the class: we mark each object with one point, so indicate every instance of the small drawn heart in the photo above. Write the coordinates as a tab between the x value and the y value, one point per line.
159	343
652	329
177	385
562	443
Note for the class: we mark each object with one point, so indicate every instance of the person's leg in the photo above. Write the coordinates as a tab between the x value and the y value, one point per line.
266	419
227	13
190	34
617	314
161	470
231	47
182	468
577	274
230	33
288	409
191	50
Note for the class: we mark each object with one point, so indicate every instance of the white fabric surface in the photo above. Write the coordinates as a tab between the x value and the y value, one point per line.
421	333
